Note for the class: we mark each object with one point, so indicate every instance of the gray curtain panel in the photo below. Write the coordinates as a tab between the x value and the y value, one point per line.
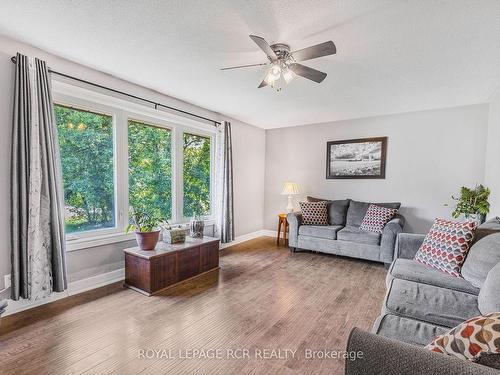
37	203
227	211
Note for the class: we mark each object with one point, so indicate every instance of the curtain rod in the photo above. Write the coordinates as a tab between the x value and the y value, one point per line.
156	104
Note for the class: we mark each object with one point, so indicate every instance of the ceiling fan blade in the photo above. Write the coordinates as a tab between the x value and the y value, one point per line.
264	46
309	73
243	66
319	50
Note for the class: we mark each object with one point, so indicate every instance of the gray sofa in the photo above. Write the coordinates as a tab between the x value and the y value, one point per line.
342	236
422	303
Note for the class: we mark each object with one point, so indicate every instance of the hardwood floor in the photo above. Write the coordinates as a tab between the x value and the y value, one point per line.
263	297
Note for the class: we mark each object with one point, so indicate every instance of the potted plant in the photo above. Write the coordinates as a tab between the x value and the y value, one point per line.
146	228
472	203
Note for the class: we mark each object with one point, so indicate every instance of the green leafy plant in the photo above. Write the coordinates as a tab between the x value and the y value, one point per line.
143	222
472	202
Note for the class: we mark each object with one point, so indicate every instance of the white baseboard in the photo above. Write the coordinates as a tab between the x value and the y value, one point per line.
249	236
74	287
98	281
269	233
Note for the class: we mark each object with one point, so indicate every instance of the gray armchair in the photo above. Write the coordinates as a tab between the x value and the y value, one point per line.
380	355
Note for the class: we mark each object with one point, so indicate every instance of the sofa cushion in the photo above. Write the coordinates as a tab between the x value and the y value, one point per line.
407	330
360	236
357	211
482	257
408	269
376	218
337	209
429	303
314	213
446	245
489	296
490	226
471	339
328	232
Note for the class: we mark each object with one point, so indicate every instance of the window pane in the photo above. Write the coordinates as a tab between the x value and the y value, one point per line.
196	175
86	146
150	169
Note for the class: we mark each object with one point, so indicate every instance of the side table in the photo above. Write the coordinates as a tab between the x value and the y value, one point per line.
282	224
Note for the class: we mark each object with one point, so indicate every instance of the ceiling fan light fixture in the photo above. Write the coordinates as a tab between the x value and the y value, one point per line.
284	65
288	75
273	74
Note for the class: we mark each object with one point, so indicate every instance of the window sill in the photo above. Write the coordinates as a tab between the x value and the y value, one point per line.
107	239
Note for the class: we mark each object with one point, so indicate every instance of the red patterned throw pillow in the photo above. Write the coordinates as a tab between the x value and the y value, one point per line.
314	213
446	245
472	339
376	217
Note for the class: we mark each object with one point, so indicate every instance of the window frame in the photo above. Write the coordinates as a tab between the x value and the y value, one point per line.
122	111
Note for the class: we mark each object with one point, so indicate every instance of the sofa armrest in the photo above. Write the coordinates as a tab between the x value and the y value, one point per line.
379	355
294	222
389	236
408	244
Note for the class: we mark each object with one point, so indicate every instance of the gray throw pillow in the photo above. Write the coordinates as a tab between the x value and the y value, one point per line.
481	258
489	296
337	209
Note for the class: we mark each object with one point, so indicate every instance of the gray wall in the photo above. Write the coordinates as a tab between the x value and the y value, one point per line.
430	155
249	153
493	156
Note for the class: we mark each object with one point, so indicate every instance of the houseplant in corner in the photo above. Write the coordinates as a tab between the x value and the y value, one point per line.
472	203
146	228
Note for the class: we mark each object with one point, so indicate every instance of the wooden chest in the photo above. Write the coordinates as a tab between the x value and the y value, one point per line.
150	272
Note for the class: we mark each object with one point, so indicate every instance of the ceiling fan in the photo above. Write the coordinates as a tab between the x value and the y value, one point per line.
283	64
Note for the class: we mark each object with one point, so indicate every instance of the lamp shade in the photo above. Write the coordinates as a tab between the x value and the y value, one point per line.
290	188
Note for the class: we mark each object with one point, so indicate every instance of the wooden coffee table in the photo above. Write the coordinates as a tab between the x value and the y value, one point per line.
150	272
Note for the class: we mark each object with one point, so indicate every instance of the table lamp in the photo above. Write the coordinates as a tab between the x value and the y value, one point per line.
290	188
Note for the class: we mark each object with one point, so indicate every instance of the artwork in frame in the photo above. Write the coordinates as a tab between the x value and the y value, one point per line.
356	158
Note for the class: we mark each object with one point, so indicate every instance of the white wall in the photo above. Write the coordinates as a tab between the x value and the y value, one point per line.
248	158
430	154
492	169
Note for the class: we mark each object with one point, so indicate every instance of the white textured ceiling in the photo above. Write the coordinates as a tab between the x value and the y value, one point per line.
393	56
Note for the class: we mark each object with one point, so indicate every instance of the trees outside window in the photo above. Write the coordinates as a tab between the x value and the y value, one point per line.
86	148
150	169
196	175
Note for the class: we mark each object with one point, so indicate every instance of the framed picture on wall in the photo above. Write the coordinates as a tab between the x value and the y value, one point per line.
356	158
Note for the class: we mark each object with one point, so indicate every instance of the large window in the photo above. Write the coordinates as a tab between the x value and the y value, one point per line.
196	174
150	169
86	147
116	155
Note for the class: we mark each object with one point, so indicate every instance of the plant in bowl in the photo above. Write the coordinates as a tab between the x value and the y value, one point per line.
146	228
472	203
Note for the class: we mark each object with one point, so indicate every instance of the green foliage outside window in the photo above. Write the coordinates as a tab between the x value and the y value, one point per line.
86	147
87	156
150	169
196	175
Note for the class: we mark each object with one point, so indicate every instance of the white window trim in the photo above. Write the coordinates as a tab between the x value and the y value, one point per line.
123	110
